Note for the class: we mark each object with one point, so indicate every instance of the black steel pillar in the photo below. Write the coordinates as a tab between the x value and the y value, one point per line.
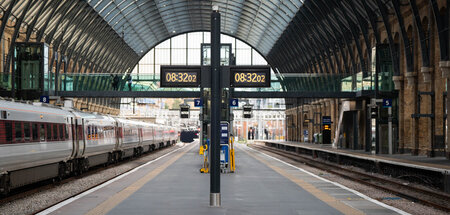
215	109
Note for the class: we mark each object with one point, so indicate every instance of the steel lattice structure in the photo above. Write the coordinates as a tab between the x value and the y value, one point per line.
326	37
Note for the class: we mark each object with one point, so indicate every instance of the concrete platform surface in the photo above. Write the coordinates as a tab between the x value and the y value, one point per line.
441	163
261	185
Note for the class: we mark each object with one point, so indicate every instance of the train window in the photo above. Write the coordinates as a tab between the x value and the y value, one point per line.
55	132
8	130
42	132
61	132
18	131
89	132
49	132
27	130
34	128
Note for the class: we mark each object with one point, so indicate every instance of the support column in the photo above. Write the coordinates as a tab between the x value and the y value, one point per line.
445	68
215	109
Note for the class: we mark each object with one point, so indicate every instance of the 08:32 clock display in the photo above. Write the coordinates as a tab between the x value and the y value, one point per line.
249	77
183	77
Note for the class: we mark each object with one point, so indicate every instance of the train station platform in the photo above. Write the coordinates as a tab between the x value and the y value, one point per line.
432	163
431	170
261	185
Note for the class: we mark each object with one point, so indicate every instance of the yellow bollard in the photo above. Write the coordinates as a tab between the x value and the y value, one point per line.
200	151
232	158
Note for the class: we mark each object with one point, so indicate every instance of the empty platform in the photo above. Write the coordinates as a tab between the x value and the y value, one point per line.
434	171
260	185
437	163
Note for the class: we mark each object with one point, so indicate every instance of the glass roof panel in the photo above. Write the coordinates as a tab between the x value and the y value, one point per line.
143	24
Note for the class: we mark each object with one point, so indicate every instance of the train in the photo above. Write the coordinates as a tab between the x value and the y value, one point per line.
42	142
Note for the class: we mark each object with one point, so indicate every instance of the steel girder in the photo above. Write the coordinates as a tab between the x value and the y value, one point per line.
353	30
146	22
318	36
61	24
387	26
69	17
407	46
14	37
194	94
36	17
422	38
442	24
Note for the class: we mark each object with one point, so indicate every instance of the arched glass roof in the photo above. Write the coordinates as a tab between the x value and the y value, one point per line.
311	44
144	23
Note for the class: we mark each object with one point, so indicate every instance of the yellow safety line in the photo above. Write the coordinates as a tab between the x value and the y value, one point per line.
331	201
116	199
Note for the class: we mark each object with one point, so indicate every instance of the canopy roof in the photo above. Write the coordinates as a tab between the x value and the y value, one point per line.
145	23
326	37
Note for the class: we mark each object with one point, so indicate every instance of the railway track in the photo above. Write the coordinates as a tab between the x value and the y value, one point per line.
431	198
29	190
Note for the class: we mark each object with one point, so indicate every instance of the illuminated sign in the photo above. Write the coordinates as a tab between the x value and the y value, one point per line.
180	76
184	111
249	76
327	127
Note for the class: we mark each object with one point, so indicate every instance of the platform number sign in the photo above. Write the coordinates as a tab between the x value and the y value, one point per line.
44	99
234	102
198	102
387	103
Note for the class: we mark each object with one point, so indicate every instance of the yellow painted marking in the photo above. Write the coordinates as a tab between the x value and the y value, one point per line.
116	199
331	201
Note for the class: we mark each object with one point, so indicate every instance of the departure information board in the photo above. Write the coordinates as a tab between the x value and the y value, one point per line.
180	76
251	76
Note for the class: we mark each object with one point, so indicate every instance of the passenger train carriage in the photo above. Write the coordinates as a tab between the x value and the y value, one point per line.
39	142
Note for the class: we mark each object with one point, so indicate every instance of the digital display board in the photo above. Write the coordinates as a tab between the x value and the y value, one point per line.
250	76
180	76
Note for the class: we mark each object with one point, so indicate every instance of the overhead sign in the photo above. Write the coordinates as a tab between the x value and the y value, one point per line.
387	103
198	102
326	120
184	111
374	112
44	99
234	102
247	111
180	76
249	76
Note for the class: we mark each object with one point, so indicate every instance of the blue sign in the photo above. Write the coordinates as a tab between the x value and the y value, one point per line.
198	102
234	102
224	135
224	154
305	132
44	99
387	103
326	120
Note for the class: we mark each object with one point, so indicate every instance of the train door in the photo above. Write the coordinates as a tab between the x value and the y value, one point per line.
74	137
116	135
119	135
81	138
153	134
141	136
